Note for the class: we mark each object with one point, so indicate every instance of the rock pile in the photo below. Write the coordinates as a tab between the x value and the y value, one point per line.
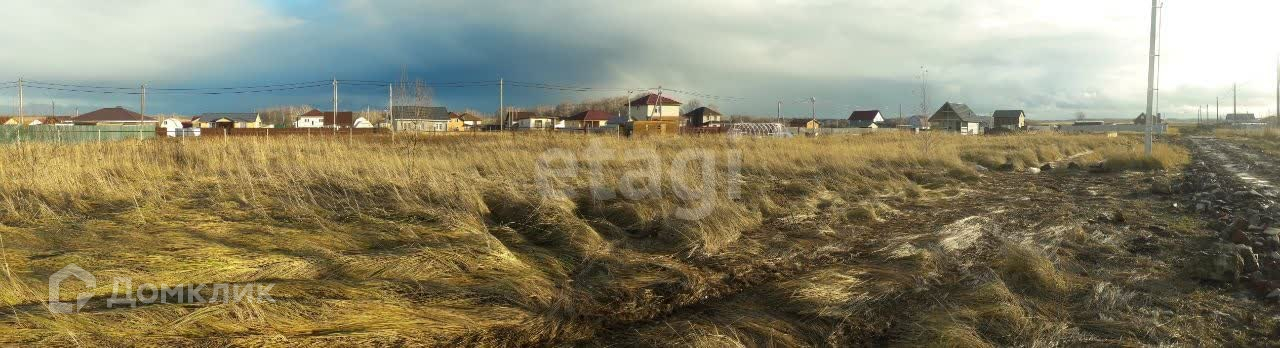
1247	250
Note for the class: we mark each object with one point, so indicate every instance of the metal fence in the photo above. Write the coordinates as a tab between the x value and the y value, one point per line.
10	134
1115	128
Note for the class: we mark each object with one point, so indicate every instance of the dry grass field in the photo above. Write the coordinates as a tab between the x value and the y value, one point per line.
456	241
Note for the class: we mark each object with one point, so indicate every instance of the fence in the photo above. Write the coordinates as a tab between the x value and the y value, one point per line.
271	132
1114	128
74	134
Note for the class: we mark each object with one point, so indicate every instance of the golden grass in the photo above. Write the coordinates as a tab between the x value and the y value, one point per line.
441	240
1163	157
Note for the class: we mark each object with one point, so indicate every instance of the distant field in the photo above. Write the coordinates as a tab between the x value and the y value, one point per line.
499	240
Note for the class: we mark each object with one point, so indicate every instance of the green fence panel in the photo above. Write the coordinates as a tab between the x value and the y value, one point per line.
10	134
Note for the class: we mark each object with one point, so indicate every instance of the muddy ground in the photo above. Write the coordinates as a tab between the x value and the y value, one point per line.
1064	257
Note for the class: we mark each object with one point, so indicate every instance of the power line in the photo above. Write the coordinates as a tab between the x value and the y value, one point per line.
175	89
132	90
567	88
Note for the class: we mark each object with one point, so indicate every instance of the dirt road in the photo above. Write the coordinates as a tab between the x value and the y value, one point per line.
1251	168
1064	257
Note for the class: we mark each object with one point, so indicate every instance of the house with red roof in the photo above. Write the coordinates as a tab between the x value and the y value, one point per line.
654	107
327	119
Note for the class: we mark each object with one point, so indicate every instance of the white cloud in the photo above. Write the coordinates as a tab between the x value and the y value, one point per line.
127	40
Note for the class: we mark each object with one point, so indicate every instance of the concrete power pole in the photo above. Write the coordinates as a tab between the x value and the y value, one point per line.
502	104
1151	74
21	110
779	111
391	107
336	102
1235	98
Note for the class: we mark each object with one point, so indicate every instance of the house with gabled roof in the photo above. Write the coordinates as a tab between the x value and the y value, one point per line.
653	107
425	119
114	116
866	119
957	117
704	117
588	119
1010	119
470	121
326	119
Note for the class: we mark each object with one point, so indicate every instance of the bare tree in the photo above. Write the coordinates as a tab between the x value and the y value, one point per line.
413	92
283	114
1080	116
375	117
565	109
693	104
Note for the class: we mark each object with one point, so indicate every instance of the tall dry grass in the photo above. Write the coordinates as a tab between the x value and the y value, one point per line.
435	240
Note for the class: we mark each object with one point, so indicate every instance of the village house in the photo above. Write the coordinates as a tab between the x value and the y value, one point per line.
229	120
424	119
588	119
531	120
956	117
327	119
470	121
866	119
704	117
1010	119
113	116
652	107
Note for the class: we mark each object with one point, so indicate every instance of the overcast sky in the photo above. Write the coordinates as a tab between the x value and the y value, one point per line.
1051	58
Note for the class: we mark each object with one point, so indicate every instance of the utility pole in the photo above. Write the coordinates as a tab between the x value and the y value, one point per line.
1151	74
1278	90
779	111
502	104
1235	97
53	108
21	109
336	102
629	105
391	107
659	101
1217	109
813	108
142	116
